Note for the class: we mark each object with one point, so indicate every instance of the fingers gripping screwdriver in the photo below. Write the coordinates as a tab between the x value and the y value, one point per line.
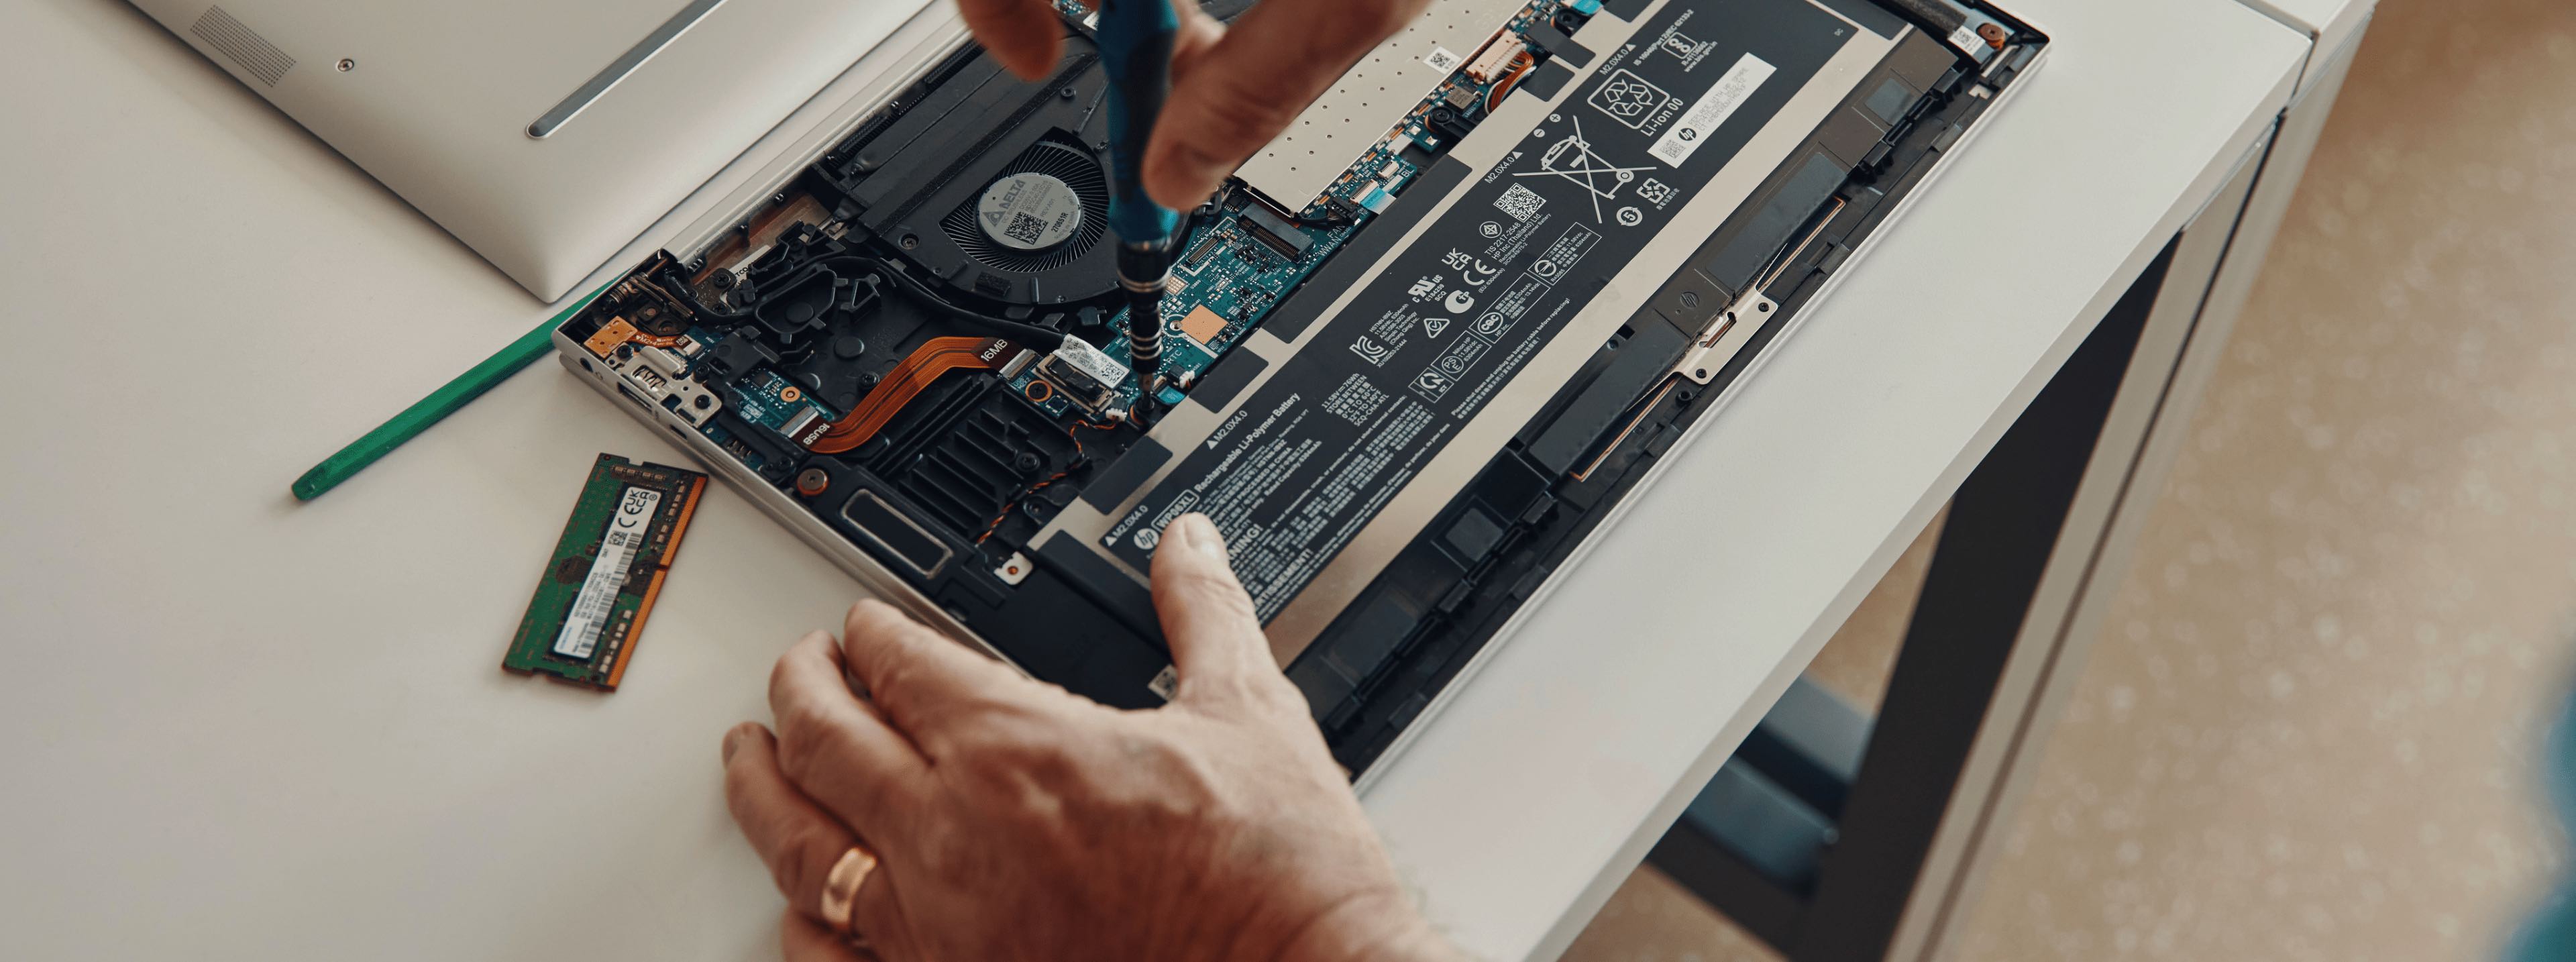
1135	38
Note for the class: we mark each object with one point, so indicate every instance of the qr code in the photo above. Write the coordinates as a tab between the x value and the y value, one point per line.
1025	229
1520	202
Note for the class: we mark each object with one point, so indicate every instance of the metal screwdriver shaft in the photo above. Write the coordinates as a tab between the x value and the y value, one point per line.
1135	39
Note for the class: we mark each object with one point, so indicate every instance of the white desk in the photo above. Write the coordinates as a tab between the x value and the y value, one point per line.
242	728
2328	24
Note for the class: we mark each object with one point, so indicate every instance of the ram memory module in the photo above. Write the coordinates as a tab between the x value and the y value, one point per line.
607	569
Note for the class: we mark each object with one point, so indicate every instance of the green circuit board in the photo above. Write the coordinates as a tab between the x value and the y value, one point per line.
1225	271
592	600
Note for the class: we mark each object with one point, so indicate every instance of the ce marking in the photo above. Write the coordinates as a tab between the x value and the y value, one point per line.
1479	274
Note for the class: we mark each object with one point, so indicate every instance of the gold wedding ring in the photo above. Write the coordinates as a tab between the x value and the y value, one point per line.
841	886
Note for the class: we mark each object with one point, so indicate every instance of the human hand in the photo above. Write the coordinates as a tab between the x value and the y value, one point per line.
1232	89
1015	820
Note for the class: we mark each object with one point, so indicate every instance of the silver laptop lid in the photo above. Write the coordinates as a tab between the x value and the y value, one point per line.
545	134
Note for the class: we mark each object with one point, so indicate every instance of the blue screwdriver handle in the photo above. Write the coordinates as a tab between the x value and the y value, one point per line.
1135	38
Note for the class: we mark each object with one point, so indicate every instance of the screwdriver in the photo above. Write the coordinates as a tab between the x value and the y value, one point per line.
1135	38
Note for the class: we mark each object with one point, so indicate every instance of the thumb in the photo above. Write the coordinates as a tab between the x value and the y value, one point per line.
1207	618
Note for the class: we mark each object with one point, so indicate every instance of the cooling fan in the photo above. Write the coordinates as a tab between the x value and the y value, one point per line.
1000	199
1049	207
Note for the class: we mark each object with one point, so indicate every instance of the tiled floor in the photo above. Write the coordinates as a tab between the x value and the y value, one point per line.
2311	730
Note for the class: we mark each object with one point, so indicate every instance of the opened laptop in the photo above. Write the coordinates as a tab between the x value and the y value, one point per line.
1418	350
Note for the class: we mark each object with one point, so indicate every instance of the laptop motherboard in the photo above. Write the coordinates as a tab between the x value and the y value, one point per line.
1414	352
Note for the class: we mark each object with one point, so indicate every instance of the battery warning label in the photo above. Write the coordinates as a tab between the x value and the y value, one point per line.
1313	454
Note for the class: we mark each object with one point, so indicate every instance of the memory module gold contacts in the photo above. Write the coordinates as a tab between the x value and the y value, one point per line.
608	568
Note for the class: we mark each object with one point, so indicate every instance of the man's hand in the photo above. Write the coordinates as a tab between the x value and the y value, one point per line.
1015	820
1232	89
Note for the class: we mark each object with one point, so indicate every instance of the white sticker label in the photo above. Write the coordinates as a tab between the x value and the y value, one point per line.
1085	358
625	536
1710	111
1965	38
1442	60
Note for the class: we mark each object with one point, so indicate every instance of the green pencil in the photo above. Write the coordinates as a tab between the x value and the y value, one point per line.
434	408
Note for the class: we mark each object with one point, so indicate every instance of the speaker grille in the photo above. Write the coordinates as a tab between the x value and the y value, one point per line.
247	49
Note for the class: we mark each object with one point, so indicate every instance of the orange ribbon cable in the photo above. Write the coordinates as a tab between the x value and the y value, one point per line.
1520	65
934	357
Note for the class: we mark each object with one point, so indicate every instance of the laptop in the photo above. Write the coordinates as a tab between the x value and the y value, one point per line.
545	135
1418	350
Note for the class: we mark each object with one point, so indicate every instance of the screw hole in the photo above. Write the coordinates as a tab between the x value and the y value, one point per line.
345	65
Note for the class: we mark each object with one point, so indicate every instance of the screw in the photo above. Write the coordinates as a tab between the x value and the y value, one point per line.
345	65
812	481
909	242
1065	92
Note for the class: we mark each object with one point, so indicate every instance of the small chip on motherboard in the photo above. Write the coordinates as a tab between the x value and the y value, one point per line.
607	569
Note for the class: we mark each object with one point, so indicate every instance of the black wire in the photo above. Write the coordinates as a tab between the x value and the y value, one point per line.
678	286
1337	218
1029	335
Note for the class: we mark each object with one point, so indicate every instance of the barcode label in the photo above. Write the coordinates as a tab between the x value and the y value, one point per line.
1965	38
617	547
1710	111
1025	229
